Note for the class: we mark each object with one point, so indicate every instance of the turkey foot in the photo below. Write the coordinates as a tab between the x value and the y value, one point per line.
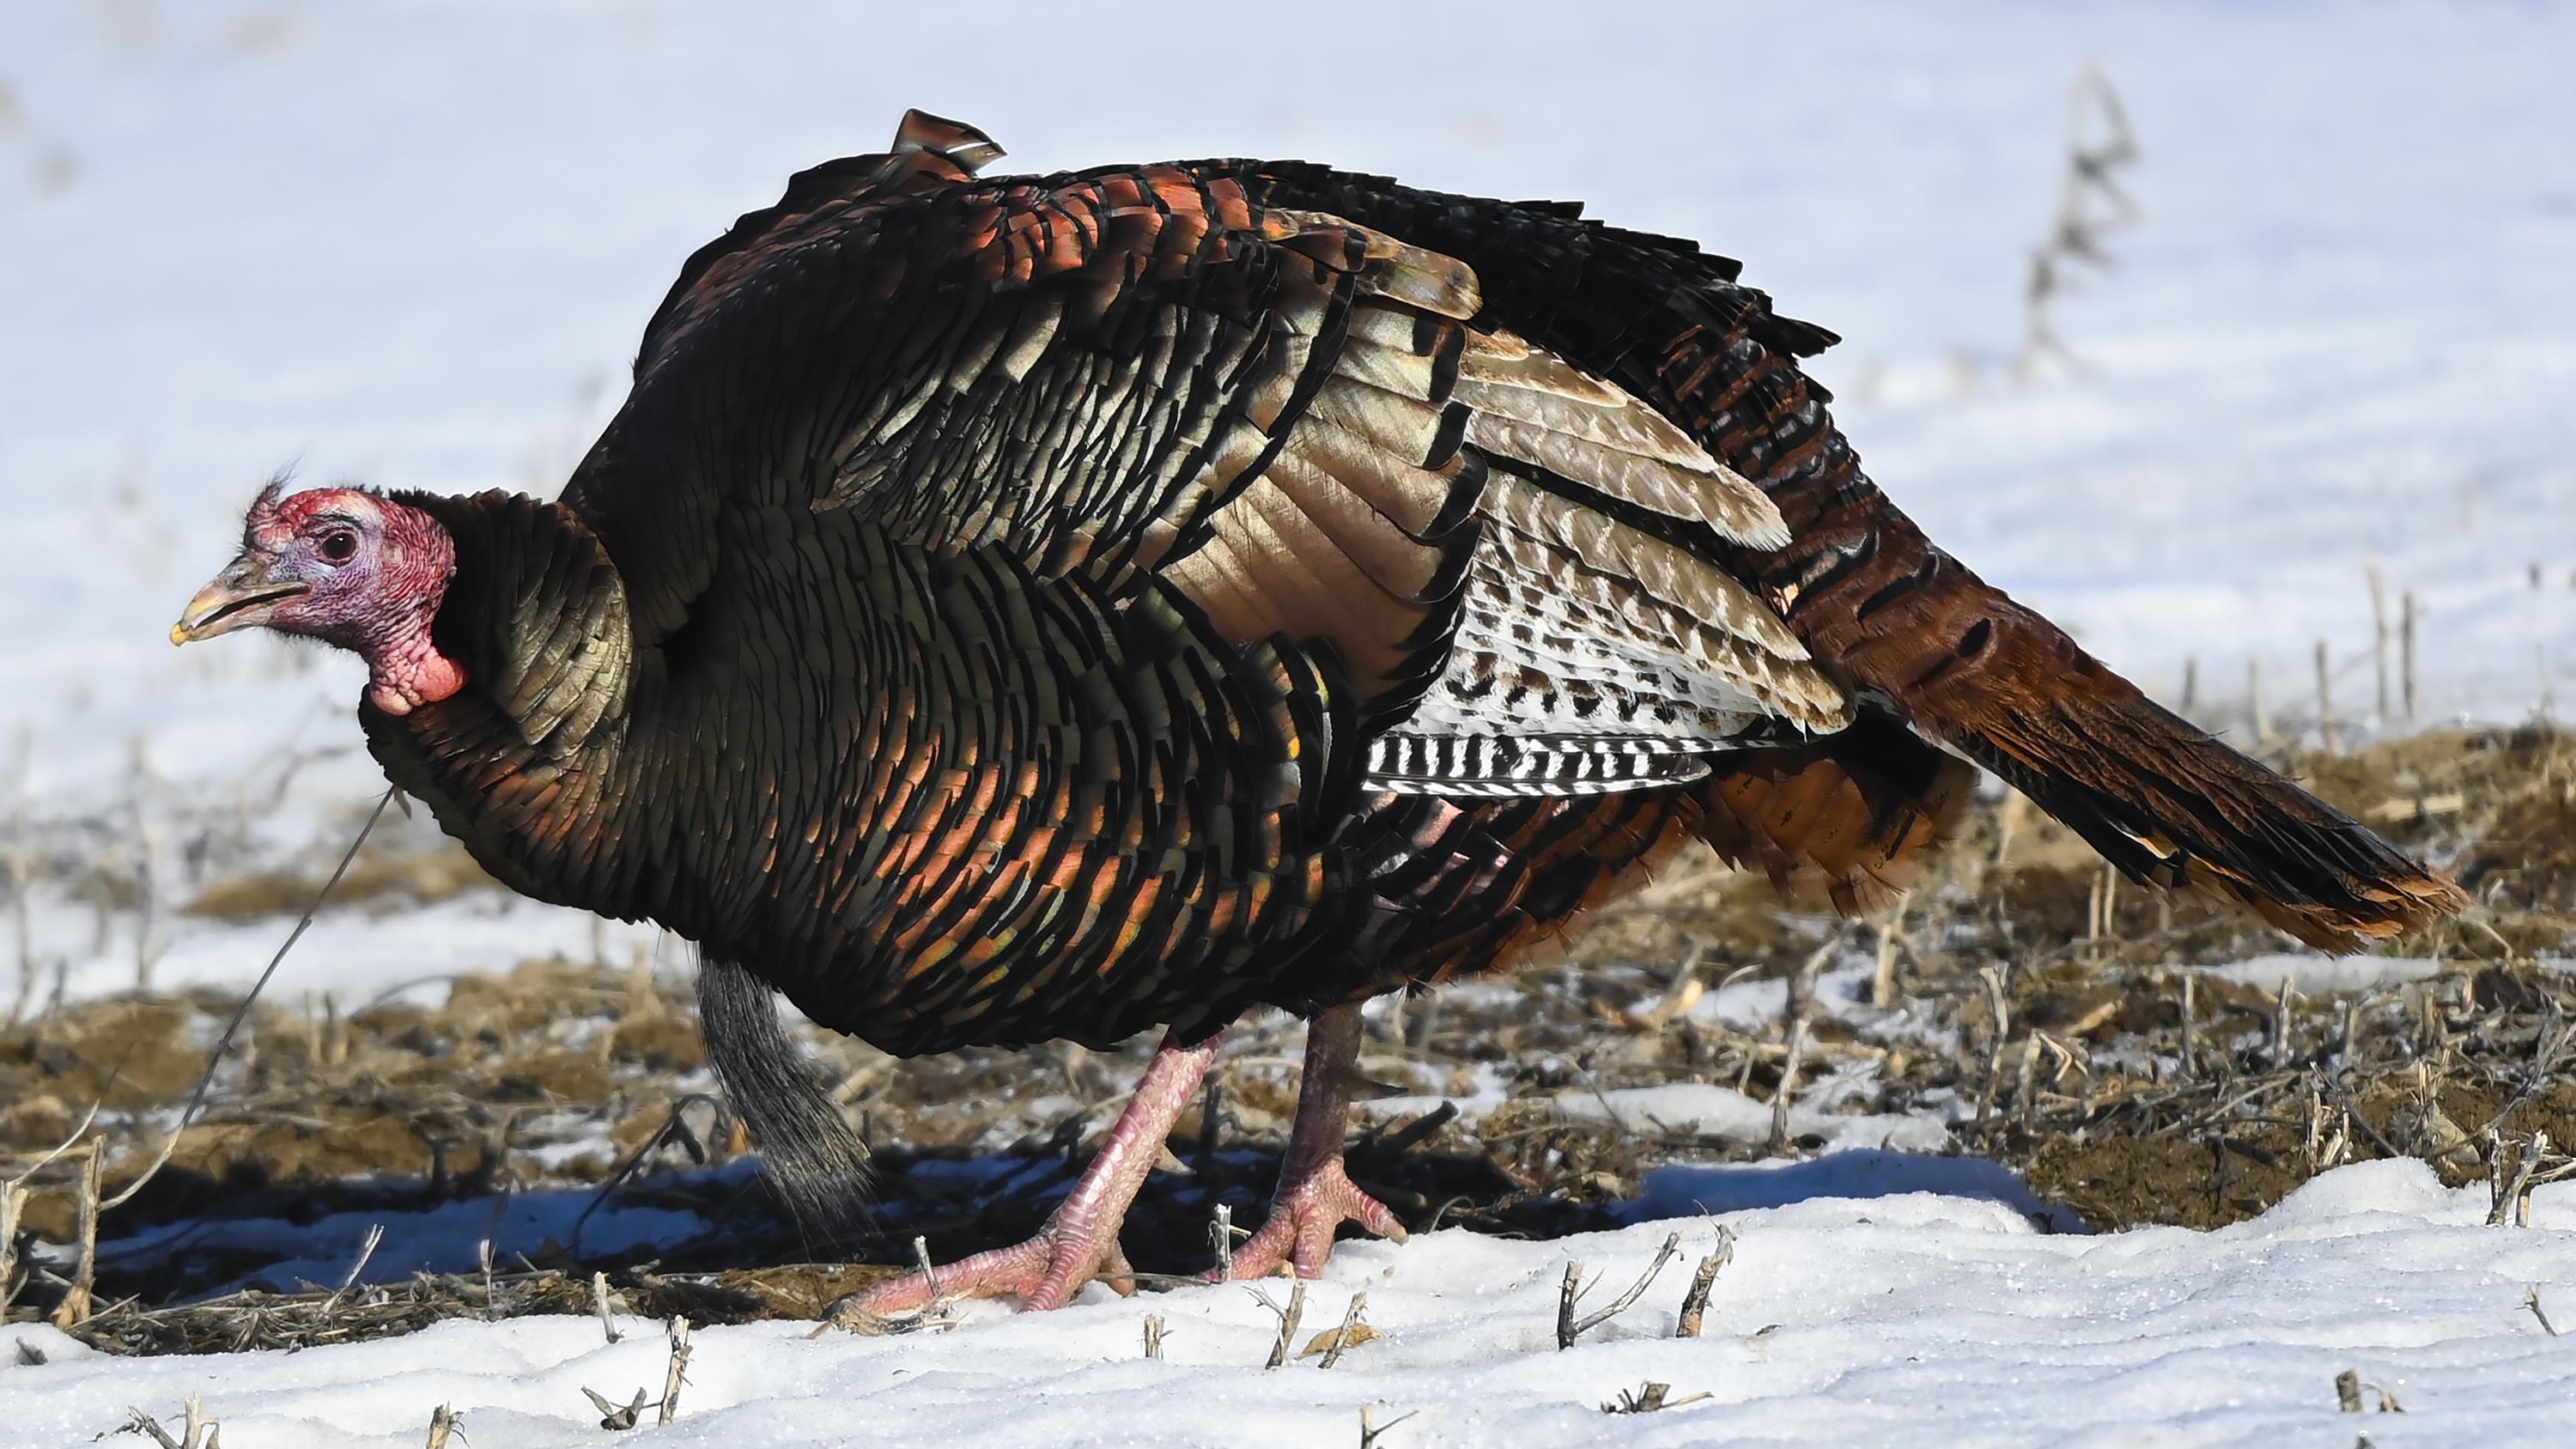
1303	1218
1080	1241
1315	1194
1044	1272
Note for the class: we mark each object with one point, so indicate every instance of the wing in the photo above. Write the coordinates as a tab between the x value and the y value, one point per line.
1295	421
1891	615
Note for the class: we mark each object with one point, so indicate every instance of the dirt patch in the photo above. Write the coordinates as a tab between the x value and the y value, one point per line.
384	881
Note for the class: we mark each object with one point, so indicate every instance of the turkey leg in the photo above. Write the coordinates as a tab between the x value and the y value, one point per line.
1080	1240
1315	1196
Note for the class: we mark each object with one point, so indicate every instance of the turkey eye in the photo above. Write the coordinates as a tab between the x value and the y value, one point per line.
340	546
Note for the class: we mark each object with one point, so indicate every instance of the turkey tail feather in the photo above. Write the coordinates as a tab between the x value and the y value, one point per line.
1850	816
816	1164
2159	797
2165	801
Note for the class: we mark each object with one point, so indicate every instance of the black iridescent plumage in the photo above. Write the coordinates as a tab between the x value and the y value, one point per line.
1056	606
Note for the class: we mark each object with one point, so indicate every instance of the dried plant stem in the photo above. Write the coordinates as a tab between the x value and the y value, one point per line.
1995	1045
675	1375
442	1423
614	1415
366	1250
929	1270
76	1303
1369	1431
1153	1335
2278	1053
1695	1302
1800	1007
1288	1317
599	1300
2531	1300
1348	1333
144	1423
13	1205
223	1042
2512	1200
1569	1328
2190	1008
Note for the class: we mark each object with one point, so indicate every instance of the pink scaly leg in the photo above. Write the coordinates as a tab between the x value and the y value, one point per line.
1315	1196
1080	1241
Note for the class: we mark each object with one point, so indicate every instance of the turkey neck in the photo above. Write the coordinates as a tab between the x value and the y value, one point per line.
524	764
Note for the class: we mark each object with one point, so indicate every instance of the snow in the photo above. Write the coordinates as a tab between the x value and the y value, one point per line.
1712	1111
2321	975
414	244
1848	1315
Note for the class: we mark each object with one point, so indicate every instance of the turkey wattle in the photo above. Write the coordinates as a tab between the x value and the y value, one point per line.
1015	608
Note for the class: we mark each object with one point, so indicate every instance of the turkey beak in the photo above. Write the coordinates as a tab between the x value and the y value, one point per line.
241	596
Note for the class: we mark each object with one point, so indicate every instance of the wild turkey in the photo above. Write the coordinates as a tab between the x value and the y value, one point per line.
1033	607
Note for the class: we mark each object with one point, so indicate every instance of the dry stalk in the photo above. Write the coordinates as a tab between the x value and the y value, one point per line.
929	1269
366	1250
1369	1431
1288	1317
2026	1082
1995	1046
224	1041
1695	1302
675	1375
2512	1197
2531	1300
76	1303
144	1423
1153	1335
1648	1399
614	1415
442	1423
599	1300
196	1431
13	1205
2189	1050
1351	1332
845	1314
2278	1053
1568	1328
1800	1007
1223	1232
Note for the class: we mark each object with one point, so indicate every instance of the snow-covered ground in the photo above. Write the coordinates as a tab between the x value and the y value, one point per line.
414	245
1889	1316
